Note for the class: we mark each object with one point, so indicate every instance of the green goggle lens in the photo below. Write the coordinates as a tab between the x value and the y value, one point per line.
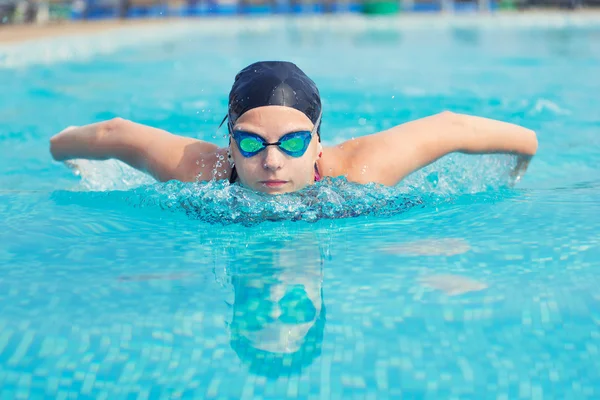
293	144
251	145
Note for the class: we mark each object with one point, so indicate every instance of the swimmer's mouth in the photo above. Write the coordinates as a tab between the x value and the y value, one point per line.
273	183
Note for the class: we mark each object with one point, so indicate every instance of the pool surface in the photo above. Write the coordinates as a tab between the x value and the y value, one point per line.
454	284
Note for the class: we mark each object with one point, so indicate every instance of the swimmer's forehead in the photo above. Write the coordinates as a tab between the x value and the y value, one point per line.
273	121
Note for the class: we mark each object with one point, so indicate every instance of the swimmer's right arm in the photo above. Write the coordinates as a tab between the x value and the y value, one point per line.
159	153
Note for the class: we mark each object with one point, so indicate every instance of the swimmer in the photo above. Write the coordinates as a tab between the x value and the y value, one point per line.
274	124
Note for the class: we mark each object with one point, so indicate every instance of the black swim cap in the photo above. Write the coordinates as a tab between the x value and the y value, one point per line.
273	83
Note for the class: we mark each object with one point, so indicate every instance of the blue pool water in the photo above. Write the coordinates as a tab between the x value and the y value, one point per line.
454	284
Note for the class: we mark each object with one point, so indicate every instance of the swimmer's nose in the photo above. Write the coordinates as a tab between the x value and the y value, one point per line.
273	158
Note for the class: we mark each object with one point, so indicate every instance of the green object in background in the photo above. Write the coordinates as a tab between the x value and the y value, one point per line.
507	5
60	11
381	7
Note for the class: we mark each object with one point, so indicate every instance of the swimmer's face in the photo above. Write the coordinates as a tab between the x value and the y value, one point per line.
272	170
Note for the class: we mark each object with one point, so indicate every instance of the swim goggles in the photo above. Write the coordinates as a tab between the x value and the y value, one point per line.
293	144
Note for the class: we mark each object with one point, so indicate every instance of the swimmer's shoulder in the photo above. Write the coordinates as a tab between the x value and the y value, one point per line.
362	160
338	160
200	164
331	163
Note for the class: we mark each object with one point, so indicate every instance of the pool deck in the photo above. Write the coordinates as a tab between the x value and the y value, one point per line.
20	33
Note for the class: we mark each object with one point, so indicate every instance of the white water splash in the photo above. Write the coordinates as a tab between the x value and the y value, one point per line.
107	175
462	173
222	203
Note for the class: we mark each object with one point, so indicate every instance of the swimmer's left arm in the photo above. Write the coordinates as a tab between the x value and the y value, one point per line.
389	156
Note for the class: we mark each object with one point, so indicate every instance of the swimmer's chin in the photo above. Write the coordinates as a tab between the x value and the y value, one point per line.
274	188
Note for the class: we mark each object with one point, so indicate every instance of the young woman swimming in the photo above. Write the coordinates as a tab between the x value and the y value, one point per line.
274	121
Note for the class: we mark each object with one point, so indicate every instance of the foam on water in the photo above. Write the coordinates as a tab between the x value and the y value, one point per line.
222	203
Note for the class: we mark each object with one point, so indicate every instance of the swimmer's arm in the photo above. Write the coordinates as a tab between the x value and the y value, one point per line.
159	153
389	156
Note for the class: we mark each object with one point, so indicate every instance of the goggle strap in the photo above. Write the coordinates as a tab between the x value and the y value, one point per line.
316	127
222	122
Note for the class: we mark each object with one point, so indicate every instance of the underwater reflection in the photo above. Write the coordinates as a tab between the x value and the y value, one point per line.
279	313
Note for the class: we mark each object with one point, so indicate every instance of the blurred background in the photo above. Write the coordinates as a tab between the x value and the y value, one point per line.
44	11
